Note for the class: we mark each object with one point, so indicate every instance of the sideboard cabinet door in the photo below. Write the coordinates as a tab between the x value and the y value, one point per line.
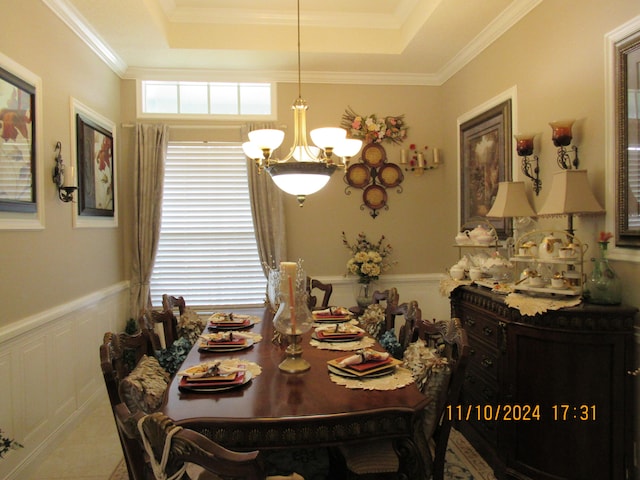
575	383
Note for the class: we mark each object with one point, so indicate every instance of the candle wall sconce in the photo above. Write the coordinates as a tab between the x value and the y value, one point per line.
374	174
561	137
417	162
63	182
524	149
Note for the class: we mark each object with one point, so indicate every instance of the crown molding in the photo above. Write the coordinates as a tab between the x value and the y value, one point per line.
79	25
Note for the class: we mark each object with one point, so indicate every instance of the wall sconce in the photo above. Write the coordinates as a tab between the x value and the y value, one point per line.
524	148
417	162
62	181
561	136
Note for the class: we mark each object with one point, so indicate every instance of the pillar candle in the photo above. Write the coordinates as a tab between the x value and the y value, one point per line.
69	178
421	160
287	269
436	157
403	156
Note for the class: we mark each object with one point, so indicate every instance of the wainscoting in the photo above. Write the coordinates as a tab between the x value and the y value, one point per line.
50	373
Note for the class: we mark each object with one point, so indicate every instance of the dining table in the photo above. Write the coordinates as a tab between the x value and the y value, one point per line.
279	410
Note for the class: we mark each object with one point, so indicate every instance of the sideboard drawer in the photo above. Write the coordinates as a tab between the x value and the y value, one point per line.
484	359
481	327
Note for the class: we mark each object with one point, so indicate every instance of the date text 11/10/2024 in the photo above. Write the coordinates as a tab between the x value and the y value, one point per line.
561	412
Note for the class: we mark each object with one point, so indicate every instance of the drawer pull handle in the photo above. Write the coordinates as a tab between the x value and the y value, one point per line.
470	322
487	362
488	331
634	373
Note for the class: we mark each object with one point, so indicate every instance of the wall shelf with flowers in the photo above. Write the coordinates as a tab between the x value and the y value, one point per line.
374	129
368	261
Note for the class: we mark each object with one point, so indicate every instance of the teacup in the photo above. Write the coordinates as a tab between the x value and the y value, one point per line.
475	273
536	281
558	282
456	272
567	252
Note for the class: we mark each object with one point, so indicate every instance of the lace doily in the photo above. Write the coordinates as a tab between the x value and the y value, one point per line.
400	378
448	285
534	305
364	342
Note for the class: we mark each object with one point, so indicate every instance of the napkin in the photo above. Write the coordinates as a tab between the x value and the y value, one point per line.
332	312
364	356
211	369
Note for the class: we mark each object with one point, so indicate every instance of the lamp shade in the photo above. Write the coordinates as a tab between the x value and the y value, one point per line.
269	138
511	201
570	194
301	178
251	151
348	147
328	137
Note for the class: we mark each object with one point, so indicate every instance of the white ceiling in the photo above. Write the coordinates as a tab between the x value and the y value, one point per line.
419	42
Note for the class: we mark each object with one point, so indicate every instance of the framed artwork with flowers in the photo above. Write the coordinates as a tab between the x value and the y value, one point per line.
485	161
94	152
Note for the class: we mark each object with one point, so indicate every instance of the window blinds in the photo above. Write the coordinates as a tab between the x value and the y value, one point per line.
207	250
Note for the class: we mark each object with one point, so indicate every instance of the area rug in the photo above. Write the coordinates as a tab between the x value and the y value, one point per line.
462	462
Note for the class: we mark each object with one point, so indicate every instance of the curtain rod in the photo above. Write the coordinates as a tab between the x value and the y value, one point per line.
221	127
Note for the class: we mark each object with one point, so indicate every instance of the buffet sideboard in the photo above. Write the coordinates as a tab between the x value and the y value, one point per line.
548	396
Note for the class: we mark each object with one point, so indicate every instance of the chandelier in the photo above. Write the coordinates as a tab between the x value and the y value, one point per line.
307	168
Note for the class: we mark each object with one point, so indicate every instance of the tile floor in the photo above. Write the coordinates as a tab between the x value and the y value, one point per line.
91	451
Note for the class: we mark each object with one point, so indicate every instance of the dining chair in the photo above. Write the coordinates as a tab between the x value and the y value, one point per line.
174	449
326	288
391	299
160	326
443	384
412	315
171	302
113	370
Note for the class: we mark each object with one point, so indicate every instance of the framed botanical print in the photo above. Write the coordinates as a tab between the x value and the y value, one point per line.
94	147
17	144
485	161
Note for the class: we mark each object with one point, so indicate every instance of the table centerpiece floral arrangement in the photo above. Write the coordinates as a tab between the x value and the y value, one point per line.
368	261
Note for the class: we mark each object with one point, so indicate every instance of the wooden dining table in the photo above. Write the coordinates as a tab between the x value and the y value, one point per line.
278	410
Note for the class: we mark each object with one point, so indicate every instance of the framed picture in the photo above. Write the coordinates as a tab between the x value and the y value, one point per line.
94	146
485	161
17	145
627	152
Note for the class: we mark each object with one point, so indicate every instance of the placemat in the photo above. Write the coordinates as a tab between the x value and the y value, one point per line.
364	342
400	378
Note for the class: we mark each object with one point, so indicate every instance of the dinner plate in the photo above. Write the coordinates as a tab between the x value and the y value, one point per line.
331	319
249	322
208	388
221	348
386	366
375	374
337	340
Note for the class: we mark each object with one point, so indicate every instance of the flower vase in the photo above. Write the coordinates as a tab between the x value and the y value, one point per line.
364	293
604	286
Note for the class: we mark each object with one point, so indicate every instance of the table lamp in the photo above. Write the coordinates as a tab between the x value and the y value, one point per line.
570	195
511	201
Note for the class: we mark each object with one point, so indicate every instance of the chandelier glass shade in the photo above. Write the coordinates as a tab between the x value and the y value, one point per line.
306	169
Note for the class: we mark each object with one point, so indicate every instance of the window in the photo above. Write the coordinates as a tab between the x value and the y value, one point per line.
161	98
207	250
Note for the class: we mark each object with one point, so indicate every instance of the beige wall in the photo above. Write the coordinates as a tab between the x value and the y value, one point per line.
554	58
45	268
